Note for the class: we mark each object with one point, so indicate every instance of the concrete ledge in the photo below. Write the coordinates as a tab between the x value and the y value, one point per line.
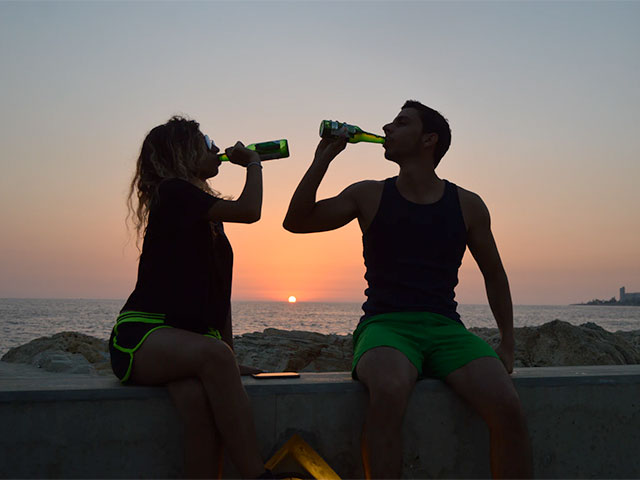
584	423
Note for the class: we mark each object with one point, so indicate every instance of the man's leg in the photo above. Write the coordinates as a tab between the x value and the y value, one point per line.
390	377
487	387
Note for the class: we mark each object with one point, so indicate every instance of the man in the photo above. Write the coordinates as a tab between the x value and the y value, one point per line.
416	228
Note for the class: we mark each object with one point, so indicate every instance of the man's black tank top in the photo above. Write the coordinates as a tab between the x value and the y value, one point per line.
412	253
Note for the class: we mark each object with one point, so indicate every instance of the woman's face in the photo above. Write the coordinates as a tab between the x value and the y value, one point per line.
208	162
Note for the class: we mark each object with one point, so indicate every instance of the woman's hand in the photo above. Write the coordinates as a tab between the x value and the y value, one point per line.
246	370
240	155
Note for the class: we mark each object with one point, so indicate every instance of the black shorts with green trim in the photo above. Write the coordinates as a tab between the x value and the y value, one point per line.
129	333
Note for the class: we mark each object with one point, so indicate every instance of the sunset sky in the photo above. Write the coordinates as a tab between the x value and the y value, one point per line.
543	100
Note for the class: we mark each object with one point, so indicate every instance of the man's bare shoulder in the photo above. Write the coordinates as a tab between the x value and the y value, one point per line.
365	189
470	198
473	207
366	185
467	195
366	195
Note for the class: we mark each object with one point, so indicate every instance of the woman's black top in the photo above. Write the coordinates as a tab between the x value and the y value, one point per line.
412	253
186	261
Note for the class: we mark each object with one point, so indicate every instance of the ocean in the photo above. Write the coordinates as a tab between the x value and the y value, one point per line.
22	320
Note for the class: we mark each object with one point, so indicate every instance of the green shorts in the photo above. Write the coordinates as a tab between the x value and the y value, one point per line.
129	333
435	344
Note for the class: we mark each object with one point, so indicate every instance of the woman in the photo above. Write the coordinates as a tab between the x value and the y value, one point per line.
175	328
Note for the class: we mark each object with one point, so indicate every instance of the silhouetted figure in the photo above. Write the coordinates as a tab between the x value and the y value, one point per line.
415	229
175	328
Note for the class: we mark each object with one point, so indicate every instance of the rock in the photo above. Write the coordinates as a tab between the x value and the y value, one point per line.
632	337
556	343
559	343
294	350
69	352
62	362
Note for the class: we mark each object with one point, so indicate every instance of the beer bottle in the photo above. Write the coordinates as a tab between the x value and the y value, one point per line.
266	150
330	128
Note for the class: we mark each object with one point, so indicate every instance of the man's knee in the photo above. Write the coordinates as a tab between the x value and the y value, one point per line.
389	391
389	377
506	411
392	397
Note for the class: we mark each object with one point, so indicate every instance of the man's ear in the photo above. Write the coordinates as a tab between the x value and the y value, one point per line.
429	139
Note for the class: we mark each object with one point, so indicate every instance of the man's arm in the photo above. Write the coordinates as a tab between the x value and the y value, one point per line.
485	252
305	214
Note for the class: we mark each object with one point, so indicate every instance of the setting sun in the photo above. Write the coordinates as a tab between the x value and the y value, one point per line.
292	299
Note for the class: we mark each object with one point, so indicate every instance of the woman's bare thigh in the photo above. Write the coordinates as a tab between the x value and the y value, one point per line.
171	354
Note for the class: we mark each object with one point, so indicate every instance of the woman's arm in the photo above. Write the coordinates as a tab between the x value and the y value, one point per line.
248	206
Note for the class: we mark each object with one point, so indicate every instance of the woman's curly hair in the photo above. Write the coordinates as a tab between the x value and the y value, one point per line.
171	150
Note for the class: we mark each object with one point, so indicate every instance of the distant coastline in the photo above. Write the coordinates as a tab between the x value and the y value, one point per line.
611	302
626	299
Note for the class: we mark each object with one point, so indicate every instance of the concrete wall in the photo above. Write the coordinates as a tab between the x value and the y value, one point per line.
584	423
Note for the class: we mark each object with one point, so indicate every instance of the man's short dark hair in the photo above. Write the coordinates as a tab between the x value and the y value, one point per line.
433	122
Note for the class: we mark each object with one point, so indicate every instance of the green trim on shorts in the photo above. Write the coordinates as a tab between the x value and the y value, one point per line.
132	316
213	333
436	345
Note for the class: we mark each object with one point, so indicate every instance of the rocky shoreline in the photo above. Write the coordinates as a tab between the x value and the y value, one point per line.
555	343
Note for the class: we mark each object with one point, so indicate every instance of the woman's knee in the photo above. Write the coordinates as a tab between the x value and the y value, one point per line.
215	358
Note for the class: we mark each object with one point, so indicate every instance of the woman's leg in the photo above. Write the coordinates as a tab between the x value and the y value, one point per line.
171	354
202	445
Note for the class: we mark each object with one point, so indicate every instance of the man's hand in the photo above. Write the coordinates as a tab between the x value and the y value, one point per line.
329	148
246	370
240	155
506	353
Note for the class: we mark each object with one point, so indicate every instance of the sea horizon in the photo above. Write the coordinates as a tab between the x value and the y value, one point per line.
23	319
308	301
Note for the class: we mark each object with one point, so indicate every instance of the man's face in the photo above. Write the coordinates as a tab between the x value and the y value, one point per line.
404	135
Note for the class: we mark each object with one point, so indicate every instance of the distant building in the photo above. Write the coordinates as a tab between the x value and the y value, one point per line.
628	297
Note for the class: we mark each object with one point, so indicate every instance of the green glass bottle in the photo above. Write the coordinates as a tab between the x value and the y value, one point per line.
266	150
329	128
